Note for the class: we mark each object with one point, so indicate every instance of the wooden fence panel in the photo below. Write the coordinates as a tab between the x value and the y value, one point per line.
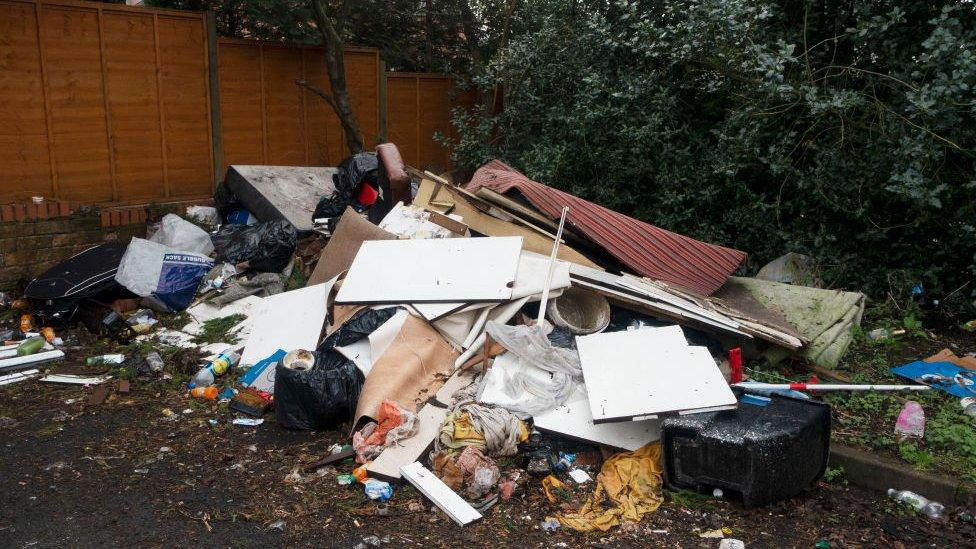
184	69
419	107
267	119
94	90
24	153
103	103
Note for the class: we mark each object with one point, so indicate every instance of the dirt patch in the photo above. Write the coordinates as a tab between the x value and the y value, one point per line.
125	472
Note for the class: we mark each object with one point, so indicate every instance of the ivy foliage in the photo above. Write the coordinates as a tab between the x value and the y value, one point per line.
842	130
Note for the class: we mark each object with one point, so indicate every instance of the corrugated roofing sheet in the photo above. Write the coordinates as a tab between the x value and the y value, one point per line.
650	251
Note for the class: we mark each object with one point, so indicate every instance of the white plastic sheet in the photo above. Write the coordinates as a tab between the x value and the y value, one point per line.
179	234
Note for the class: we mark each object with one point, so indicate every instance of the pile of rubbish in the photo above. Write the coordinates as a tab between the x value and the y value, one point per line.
443	327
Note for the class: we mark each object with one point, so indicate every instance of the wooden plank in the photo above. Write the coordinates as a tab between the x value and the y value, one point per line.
36	358
47	103
159	104
446	499
108	108
488	225
438	270
648	372
19	376
213	89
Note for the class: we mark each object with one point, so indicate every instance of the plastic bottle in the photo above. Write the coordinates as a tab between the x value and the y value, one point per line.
880	334
117	358
155	361
30	346
928	508
209	393
217	367
26	322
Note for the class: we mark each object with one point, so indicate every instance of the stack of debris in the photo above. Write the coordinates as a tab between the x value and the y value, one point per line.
450	326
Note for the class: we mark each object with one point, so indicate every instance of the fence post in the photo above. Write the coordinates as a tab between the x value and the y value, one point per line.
215	133
382	101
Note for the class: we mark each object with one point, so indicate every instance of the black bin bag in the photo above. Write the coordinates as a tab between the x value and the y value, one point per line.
320	398
267	247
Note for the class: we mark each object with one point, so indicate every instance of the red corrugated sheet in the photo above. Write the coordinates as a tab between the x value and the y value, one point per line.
650	251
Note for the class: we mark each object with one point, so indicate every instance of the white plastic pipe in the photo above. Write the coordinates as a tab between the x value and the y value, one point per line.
552	266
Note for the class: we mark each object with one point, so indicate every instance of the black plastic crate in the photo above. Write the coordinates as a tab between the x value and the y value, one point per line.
765	453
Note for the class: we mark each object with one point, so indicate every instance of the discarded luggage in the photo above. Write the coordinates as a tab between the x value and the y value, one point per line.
56	293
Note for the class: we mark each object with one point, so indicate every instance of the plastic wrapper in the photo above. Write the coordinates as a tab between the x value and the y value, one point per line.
359	326
266	247
320	398
171	276
179	234
534	350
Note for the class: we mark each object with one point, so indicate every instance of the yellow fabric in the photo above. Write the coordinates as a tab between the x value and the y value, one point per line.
631	481
457	432
554	488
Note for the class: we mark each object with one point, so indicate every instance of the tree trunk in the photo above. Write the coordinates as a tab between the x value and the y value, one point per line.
428	28
336	69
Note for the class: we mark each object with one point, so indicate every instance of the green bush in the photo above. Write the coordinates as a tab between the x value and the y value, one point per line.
843	130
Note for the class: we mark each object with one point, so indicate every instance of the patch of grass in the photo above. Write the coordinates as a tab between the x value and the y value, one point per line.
835	474
216	330
867	419
48	430
690	499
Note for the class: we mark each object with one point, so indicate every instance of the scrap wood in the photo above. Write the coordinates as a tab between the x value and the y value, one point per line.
485	224
330	459
98	395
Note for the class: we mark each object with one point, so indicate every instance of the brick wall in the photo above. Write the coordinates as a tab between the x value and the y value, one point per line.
34	237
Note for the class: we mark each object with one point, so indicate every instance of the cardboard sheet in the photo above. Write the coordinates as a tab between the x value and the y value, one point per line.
290	320
338	254
438	270
409	372
643	373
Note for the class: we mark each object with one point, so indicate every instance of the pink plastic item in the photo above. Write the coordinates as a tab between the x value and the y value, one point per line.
911	422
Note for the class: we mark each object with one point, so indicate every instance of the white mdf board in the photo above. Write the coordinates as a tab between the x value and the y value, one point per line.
439	270
443	497
289	320
387	465
574	420
648	372
36	358
75	380
19	376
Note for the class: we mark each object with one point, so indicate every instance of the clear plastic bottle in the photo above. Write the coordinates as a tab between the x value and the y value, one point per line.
968	406
921	504
155	362
206	376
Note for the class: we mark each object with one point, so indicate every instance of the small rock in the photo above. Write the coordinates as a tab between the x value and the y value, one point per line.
277	525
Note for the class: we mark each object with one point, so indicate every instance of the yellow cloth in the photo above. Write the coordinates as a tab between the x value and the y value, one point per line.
554	489
458	432
631	481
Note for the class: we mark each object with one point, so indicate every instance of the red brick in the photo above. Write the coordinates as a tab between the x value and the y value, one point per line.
116	218
106	219
19	212
63	208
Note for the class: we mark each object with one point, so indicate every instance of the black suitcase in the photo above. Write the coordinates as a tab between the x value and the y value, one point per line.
765	453
56	293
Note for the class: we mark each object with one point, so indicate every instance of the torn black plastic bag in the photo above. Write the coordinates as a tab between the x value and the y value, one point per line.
359	326
267	247
352	173
320	398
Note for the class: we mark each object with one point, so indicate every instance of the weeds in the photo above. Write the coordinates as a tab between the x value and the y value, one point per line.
691	500
217	330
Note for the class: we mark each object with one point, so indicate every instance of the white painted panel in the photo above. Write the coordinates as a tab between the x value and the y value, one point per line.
35	358
290	320
446	499
439	270
650	371
574	420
